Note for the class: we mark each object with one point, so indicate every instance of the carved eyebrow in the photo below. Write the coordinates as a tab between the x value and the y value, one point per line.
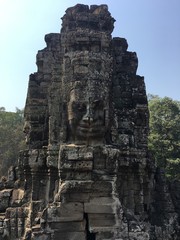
98	102
79	105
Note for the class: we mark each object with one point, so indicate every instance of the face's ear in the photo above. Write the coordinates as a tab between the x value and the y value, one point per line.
27	127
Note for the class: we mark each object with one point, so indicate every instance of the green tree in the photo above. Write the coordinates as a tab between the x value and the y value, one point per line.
11	138
164	137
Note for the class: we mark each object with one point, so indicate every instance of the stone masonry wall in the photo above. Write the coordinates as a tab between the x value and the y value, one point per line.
87	173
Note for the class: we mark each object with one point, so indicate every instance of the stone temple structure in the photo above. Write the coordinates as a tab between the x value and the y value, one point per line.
87	174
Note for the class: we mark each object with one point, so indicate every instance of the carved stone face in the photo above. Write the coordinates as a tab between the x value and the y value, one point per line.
26	130
86	117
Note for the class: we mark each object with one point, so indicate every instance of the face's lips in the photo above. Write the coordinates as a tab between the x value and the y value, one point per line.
92	127
93	131
93	124
86	135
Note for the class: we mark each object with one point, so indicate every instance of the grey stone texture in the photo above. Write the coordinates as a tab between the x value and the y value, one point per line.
87	173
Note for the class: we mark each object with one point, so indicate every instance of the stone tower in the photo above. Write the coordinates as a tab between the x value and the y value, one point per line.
86	174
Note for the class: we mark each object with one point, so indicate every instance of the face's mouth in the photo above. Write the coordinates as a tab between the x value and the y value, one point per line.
90	131
90	127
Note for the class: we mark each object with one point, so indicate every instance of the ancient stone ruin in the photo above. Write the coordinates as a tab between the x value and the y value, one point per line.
87	174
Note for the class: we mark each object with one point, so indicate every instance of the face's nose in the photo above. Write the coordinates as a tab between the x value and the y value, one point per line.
88	117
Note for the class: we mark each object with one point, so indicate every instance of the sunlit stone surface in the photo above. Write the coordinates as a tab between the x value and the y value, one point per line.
87	174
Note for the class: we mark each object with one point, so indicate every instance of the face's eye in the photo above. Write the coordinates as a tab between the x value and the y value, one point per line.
98	104
78	106
82	107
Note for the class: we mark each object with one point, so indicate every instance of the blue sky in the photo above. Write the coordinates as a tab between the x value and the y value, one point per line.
151	27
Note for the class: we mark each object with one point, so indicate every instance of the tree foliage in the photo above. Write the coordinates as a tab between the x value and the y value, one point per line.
164	137
11	138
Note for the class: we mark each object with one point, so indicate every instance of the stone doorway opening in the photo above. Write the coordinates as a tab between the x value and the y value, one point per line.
90	236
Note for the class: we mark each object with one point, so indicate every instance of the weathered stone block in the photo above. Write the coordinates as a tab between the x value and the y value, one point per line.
41	236
102	186
80	153
77	165
105	236
76	197
76	175
17	196
5	199
69	226
101	205
99	164
65	212
52	161
98	222
69	235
